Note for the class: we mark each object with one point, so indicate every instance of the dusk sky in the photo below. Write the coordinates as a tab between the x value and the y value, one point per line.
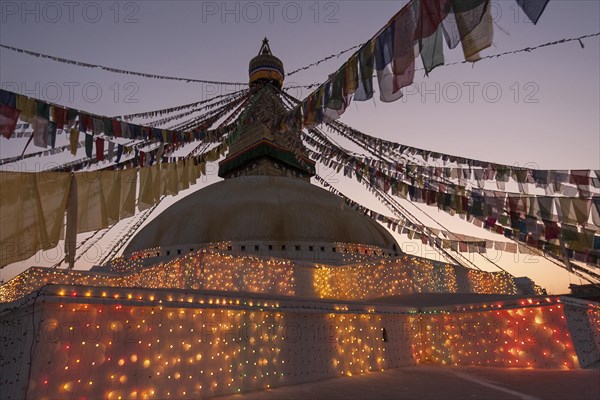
536	109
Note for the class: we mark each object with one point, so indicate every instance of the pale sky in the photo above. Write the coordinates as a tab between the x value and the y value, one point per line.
537	109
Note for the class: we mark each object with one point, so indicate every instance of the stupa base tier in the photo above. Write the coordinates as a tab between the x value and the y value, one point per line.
94	342
280	277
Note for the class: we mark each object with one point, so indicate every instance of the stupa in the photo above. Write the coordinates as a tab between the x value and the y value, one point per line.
264	279
265	205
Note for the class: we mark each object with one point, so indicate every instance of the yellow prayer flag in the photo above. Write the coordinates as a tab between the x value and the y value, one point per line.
29	224
128	186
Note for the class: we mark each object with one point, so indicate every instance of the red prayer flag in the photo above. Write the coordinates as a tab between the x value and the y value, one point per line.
8	120
490	222
552	230
99	149
59	116
85	122
116	128
433	12
580	177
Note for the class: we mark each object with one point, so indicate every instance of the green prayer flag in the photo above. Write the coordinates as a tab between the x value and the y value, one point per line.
108	127
42	109
432	50
89	145
366	60
336	99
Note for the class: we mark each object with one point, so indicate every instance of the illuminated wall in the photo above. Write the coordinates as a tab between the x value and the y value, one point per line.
533	336
34	278
140	343
118	349
217	271
406	275
489	283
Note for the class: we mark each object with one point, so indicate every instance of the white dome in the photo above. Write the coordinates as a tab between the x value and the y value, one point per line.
261	208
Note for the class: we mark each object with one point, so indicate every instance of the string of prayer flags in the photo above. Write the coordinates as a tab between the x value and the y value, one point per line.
116	70
455	203
421	26
33	205
478	170
48	119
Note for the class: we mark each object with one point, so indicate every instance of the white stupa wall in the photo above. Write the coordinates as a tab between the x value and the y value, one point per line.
583	321
17	333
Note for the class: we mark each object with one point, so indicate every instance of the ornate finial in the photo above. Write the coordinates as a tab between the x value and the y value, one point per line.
265	49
